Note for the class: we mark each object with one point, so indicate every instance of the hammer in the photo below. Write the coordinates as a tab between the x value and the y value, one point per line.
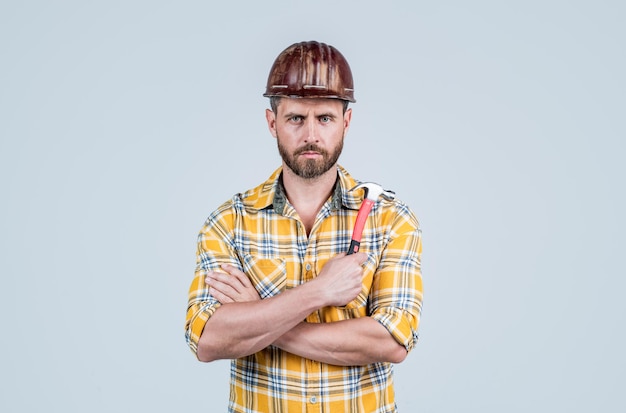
372	192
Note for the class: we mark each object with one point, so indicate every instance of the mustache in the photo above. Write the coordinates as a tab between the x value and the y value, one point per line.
311	147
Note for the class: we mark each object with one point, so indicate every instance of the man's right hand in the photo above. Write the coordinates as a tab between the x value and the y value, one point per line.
342	278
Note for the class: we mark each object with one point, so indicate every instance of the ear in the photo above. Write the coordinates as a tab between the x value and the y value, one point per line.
271	121
347	117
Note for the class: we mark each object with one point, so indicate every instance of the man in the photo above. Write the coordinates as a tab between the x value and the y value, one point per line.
308	327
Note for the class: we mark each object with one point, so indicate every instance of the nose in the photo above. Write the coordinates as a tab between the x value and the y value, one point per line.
311	130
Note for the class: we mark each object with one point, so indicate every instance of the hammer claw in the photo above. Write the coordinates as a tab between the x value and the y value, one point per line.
372	193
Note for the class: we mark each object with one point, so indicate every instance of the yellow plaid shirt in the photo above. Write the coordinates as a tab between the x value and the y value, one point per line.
260	232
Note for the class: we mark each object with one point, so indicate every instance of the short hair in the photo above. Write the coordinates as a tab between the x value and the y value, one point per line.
274	100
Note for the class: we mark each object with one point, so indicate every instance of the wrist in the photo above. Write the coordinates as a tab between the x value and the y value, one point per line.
315	294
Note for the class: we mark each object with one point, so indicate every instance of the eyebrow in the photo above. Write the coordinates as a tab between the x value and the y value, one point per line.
292	114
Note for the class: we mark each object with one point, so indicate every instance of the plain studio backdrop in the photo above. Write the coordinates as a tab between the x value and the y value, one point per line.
123	124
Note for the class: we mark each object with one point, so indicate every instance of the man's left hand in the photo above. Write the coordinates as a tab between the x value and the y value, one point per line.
234	286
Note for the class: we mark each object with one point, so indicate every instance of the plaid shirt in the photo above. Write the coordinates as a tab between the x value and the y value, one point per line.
260	232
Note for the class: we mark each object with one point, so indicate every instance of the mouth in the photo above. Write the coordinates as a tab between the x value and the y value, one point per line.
310	151
310	154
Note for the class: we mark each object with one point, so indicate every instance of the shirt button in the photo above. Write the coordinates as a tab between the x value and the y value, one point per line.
308	267
313	399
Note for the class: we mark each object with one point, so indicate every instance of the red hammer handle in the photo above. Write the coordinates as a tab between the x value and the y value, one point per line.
361	217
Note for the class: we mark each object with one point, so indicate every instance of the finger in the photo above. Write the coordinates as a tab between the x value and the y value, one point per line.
219	296
233	283
227	279
238	275
224	288
246	290
360	257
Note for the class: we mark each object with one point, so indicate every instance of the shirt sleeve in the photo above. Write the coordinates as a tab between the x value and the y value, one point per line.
214	249
396	296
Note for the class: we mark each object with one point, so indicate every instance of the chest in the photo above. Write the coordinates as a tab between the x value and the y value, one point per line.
277	252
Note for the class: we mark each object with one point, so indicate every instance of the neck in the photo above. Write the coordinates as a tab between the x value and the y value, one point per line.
308	195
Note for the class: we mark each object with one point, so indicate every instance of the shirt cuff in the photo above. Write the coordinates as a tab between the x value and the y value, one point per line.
401	325
197	322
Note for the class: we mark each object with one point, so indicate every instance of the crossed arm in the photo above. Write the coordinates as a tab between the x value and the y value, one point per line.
245	324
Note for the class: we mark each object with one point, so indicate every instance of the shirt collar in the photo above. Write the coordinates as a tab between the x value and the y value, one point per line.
271	193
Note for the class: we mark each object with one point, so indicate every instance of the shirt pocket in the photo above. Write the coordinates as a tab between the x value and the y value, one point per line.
269	276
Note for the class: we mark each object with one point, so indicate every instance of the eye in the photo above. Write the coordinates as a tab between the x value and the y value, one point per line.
325	119
296	119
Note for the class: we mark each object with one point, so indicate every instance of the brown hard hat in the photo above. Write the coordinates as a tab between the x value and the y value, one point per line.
311	70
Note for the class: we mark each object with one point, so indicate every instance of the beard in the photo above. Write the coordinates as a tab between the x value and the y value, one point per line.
310	168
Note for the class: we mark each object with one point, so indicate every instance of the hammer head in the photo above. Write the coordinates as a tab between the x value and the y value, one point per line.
373	191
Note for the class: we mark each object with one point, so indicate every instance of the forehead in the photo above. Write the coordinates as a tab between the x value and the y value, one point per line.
303	105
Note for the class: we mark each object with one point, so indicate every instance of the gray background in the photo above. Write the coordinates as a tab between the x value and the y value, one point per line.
124	123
